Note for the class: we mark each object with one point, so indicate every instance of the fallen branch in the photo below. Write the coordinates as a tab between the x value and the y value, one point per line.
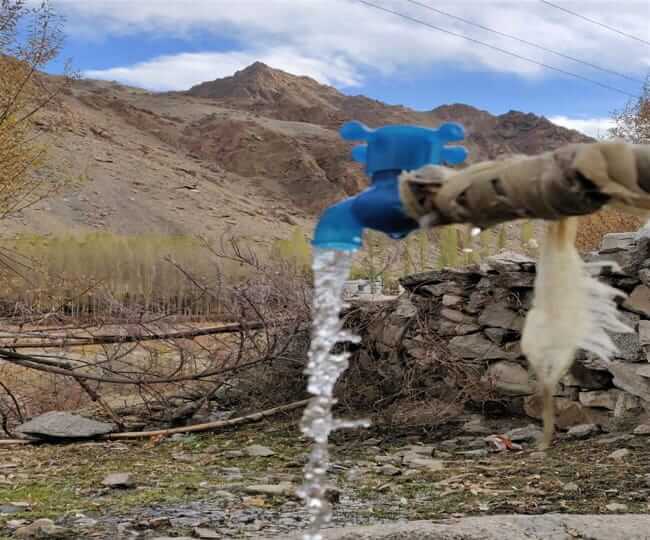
210	426
15	442
80	341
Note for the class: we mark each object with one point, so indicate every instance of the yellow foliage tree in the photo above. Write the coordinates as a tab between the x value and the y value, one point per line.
30	37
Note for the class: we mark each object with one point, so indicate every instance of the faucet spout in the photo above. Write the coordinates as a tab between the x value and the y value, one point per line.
389	151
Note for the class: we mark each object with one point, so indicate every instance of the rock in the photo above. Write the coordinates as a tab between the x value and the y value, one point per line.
389	470
627	378
207	534
643	429
425	450
405	308
582	431
500	315
626	403
643	371
10	509
509	261
616	439
501	527
509	378
616	507
605	399
475	346
119	481
172	538
530	434
585	378
62	425
257	450
233	454
644	332
612	242
441	289
619	455
639	301
570	487
14	524
497	335
41	528
456	316
448	328
451	300
569	413
476	427
282	489
415	461
479	452
517	280
644	276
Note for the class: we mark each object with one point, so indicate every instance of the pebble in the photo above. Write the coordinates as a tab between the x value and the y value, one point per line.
257	450
616	507
643	429
481	452
619	455
582	431
570	487
207	534
417	462
530	433
389	470
282	489
119	481
41	528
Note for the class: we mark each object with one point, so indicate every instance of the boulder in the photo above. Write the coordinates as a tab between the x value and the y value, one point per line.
500	315
63	425
510	378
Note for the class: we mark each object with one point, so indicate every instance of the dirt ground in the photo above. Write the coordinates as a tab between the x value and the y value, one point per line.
209	484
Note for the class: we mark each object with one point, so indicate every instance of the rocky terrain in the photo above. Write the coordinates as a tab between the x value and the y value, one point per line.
253	154
241	484
478	314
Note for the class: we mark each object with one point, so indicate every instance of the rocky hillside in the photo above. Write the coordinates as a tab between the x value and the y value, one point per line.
255	153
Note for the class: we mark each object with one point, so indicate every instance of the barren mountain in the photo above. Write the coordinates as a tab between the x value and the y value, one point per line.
255	153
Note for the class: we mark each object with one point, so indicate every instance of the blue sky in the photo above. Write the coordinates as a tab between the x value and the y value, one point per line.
173	44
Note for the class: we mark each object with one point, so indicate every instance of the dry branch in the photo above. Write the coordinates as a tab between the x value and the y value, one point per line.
210	426
197	428
107	339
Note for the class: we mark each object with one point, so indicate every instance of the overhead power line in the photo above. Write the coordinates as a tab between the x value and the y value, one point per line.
493	47
524	41
593	21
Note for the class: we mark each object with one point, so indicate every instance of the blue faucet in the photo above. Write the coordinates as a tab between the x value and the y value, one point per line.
389	151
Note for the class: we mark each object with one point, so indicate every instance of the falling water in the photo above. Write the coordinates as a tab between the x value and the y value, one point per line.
331	269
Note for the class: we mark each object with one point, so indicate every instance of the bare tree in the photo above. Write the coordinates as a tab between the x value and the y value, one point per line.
633	120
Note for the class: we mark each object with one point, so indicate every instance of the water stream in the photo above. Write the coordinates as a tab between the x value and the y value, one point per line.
331	270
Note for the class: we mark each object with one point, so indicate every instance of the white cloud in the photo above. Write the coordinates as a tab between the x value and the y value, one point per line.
339	40
594	127
181	71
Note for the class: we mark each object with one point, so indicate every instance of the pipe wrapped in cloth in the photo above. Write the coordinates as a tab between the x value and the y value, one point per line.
571	309
571	181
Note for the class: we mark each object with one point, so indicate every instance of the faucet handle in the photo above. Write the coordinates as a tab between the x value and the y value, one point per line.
404	147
